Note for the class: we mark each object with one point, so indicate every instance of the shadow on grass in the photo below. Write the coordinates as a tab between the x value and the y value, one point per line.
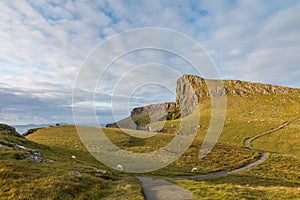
253	181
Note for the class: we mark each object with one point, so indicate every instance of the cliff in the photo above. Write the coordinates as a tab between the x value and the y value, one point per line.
190	89
146	110
232	87
141	116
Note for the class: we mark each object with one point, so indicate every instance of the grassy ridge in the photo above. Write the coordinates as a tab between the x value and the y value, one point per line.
287	140
277	178
21	178
224	157
246	116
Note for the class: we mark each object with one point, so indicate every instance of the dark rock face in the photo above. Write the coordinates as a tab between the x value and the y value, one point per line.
141	116
4	127
30	131
8	130
146	110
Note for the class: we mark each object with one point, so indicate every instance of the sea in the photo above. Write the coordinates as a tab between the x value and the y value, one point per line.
23	128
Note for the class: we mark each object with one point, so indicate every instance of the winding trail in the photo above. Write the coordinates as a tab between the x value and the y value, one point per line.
159	189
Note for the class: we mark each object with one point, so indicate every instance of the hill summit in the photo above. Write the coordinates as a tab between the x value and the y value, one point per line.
190	89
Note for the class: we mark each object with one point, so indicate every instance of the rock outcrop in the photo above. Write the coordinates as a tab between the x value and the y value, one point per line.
30	131
141	116
24	152
231	87
190	89
149	109
8	130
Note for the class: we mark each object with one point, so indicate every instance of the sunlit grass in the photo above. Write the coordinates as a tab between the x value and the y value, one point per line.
21	178
277	178
285	140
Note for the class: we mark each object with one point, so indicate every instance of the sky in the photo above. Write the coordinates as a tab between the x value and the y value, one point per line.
45	44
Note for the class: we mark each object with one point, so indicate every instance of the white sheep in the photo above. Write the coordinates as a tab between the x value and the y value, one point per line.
120	167
73	157
195	169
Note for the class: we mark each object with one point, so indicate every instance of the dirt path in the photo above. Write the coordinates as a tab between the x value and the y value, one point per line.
159	189
249	140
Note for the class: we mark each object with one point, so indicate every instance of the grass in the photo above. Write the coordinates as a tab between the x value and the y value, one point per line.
277	178
246	116
21	178
223	157
287	140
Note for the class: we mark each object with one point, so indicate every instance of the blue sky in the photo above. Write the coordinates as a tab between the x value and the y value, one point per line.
44	43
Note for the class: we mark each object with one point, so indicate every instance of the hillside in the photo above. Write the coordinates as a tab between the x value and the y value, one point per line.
41	170
193	89
53	163
252	108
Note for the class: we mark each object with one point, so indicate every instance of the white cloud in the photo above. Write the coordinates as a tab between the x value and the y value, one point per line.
43	43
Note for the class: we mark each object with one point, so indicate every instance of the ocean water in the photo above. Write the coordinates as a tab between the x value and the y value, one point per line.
23	128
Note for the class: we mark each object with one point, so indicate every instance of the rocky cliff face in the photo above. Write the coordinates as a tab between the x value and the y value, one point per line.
232	87
161	108
142	116
190	89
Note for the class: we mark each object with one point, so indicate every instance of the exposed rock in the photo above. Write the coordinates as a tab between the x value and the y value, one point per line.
77	173
29	153
150	113
153	108
101	171
190	89
232	87
186	96
30	131
39	159
8	130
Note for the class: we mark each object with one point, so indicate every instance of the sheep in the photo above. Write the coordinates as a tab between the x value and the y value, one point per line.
195	170
120	167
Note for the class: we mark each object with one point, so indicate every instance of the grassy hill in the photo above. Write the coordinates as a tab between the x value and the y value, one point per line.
248	114
251	111
65	178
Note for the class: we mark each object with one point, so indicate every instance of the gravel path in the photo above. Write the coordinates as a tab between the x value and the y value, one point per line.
159	189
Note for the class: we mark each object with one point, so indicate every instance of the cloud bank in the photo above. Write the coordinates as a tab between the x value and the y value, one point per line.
44	43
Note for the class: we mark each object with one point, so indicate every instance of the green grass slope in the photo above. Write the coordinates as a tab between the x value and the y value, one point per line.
224	157
277	178
23	178
246	116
